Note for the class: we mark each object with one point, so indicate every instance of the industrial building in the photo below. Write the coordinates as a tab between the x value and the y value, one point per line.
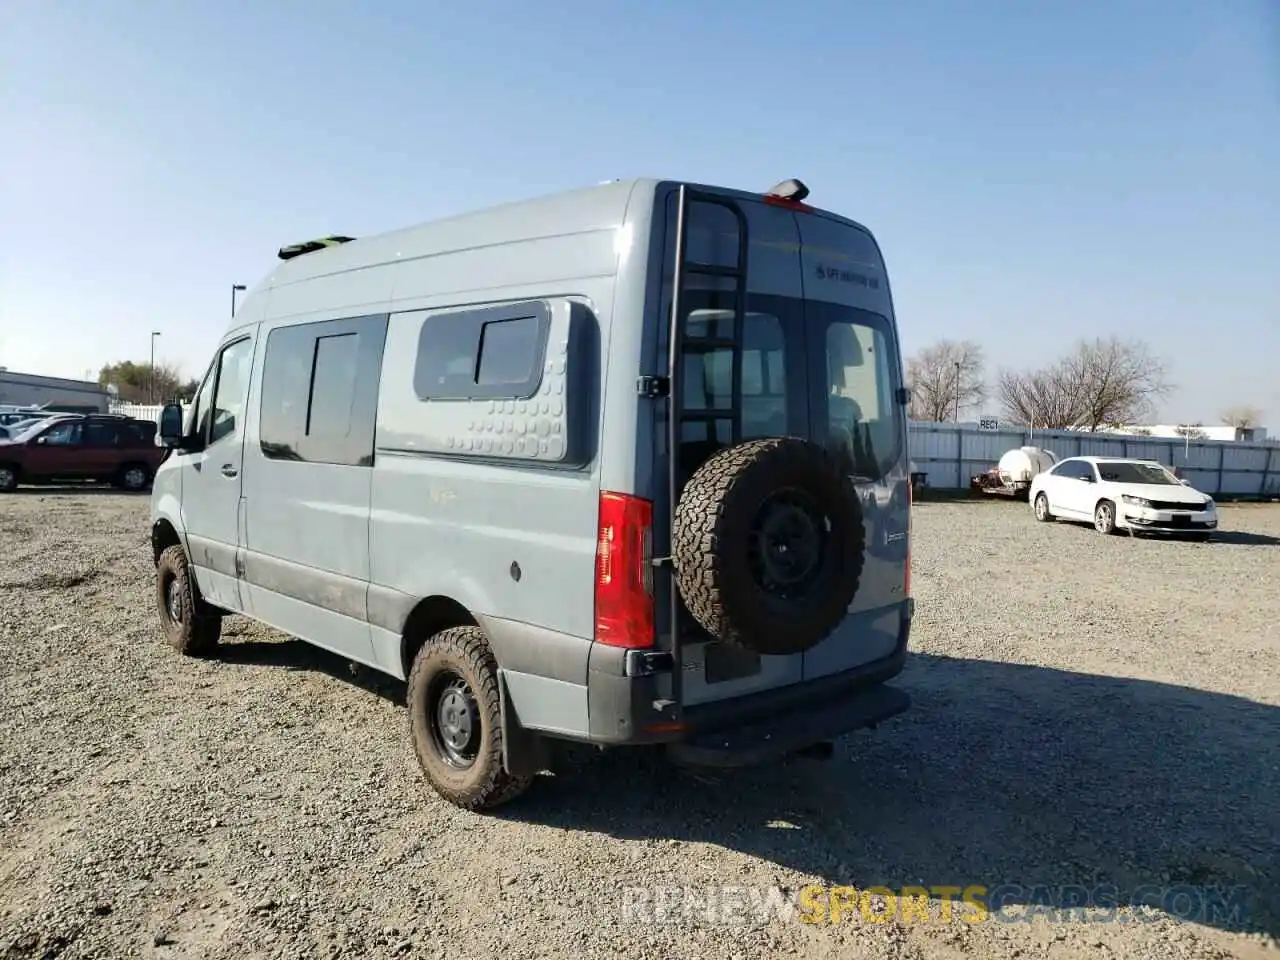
73	396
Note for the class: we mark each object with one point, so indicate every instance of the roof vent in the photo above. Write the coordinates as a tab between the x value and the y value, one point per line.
311	246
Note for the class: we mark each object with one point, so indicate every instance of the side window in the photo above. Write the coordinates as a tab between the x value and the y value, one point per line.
494	353
231	391
138	434
100	433
320	391
199	422
63	434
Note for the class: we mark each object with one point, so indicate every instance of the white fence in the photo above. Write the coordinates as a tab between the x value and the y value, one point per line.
949	454
142	411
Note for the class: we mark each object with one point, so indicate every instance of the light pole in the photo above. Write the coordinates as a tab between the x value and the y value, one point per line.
151	370
957	391
235	288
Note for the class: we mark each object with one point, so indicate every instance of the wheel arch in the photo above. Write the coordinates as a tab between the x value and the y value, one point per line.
163	536
428	617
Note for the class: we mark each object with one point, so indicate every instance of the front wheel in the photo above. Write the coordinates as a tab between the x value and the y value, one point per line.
1042	508
455	720
8	478
190	625
1104	517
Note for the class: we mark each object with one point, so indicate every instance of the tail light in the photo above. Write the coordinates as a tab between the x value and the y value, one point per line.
624	577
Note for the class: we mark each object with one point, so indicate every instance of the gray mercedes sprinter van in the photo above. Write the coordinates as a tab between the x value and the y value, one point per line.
625	466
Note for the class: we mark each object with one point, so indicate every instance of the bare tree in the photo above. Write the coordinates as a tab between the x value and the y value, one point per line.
944	376
1241	417
1109	382
1191	431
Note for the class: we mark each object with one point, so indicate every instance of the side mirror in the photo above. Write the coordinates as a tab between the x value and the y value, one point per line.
42	440
170	426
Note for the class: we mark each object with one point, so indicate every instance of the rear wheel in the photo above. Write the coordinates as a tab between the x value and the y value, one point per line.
190	625
8	478
455	720
1042	508
133	477
1104	517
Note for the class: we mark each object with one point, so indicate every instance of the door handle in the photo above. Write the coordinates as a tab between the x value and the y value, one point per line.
228	470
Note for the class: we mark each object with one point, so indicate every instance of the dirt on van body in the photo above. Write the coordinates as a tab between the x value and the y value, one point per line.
1093	717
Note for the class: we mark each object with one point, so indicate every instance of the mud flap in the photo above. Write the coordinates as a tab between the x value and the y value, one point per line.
524	752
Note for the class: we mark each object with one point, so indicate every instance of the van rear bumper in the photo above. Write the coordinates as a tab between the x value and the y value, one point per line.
631	711
779	734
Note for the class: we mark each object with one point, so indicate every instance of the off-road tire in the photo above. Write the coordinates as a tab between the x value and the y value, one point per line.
197	628
126	478
1104	517
712	537
465	652
1041	509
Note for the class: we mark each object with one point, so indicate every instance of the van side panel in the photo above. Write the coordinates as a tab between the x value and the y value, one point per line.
306	487
511	537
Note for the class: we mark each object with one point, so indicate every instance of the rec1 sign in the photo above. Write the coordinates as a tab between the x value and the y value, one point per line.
989	424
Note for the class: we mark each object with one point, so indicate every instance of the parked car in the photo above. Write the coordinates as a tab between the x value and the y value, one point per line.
104	447
1140	496
468	486
10	430
11	417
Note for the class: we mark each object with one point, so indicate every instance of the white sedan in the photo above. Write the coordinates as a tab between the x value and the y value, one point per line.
1120	494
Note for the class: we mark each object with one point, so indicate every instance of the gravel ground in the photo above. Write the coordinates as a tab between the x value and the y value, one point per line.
1087	710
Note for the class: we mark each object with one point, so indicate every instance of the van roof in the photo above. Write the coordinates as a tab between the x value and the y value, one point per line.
583	210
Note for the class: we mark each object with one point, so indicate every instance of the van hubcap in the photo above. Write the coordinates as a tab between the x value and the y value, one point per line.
173	600
134	478
457	721
6	477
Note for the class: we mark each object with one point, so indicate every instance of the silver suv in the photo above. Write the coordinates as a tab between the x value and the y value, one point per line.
623	466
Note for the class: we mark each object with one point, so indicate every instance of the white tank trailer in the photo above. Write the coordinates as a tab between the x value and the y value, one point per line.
1012	475
1017	467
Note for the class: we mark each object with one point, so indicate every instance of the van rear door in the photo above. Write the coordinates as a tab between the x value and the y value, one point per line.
815	357
855	380
721	234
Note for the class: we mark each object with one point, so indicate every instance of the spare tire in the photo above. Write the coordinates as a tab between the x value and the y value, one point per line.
768	545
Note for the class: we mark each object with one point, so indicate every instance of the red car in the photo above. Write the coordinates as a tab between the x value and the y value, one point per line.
113	449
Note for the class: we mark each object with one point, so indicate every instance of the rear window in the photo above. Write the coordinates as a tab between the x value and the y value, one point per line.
865	425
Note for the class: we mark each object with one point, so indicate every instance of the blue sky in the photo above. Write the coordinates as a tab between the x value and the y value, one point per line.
1035	172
